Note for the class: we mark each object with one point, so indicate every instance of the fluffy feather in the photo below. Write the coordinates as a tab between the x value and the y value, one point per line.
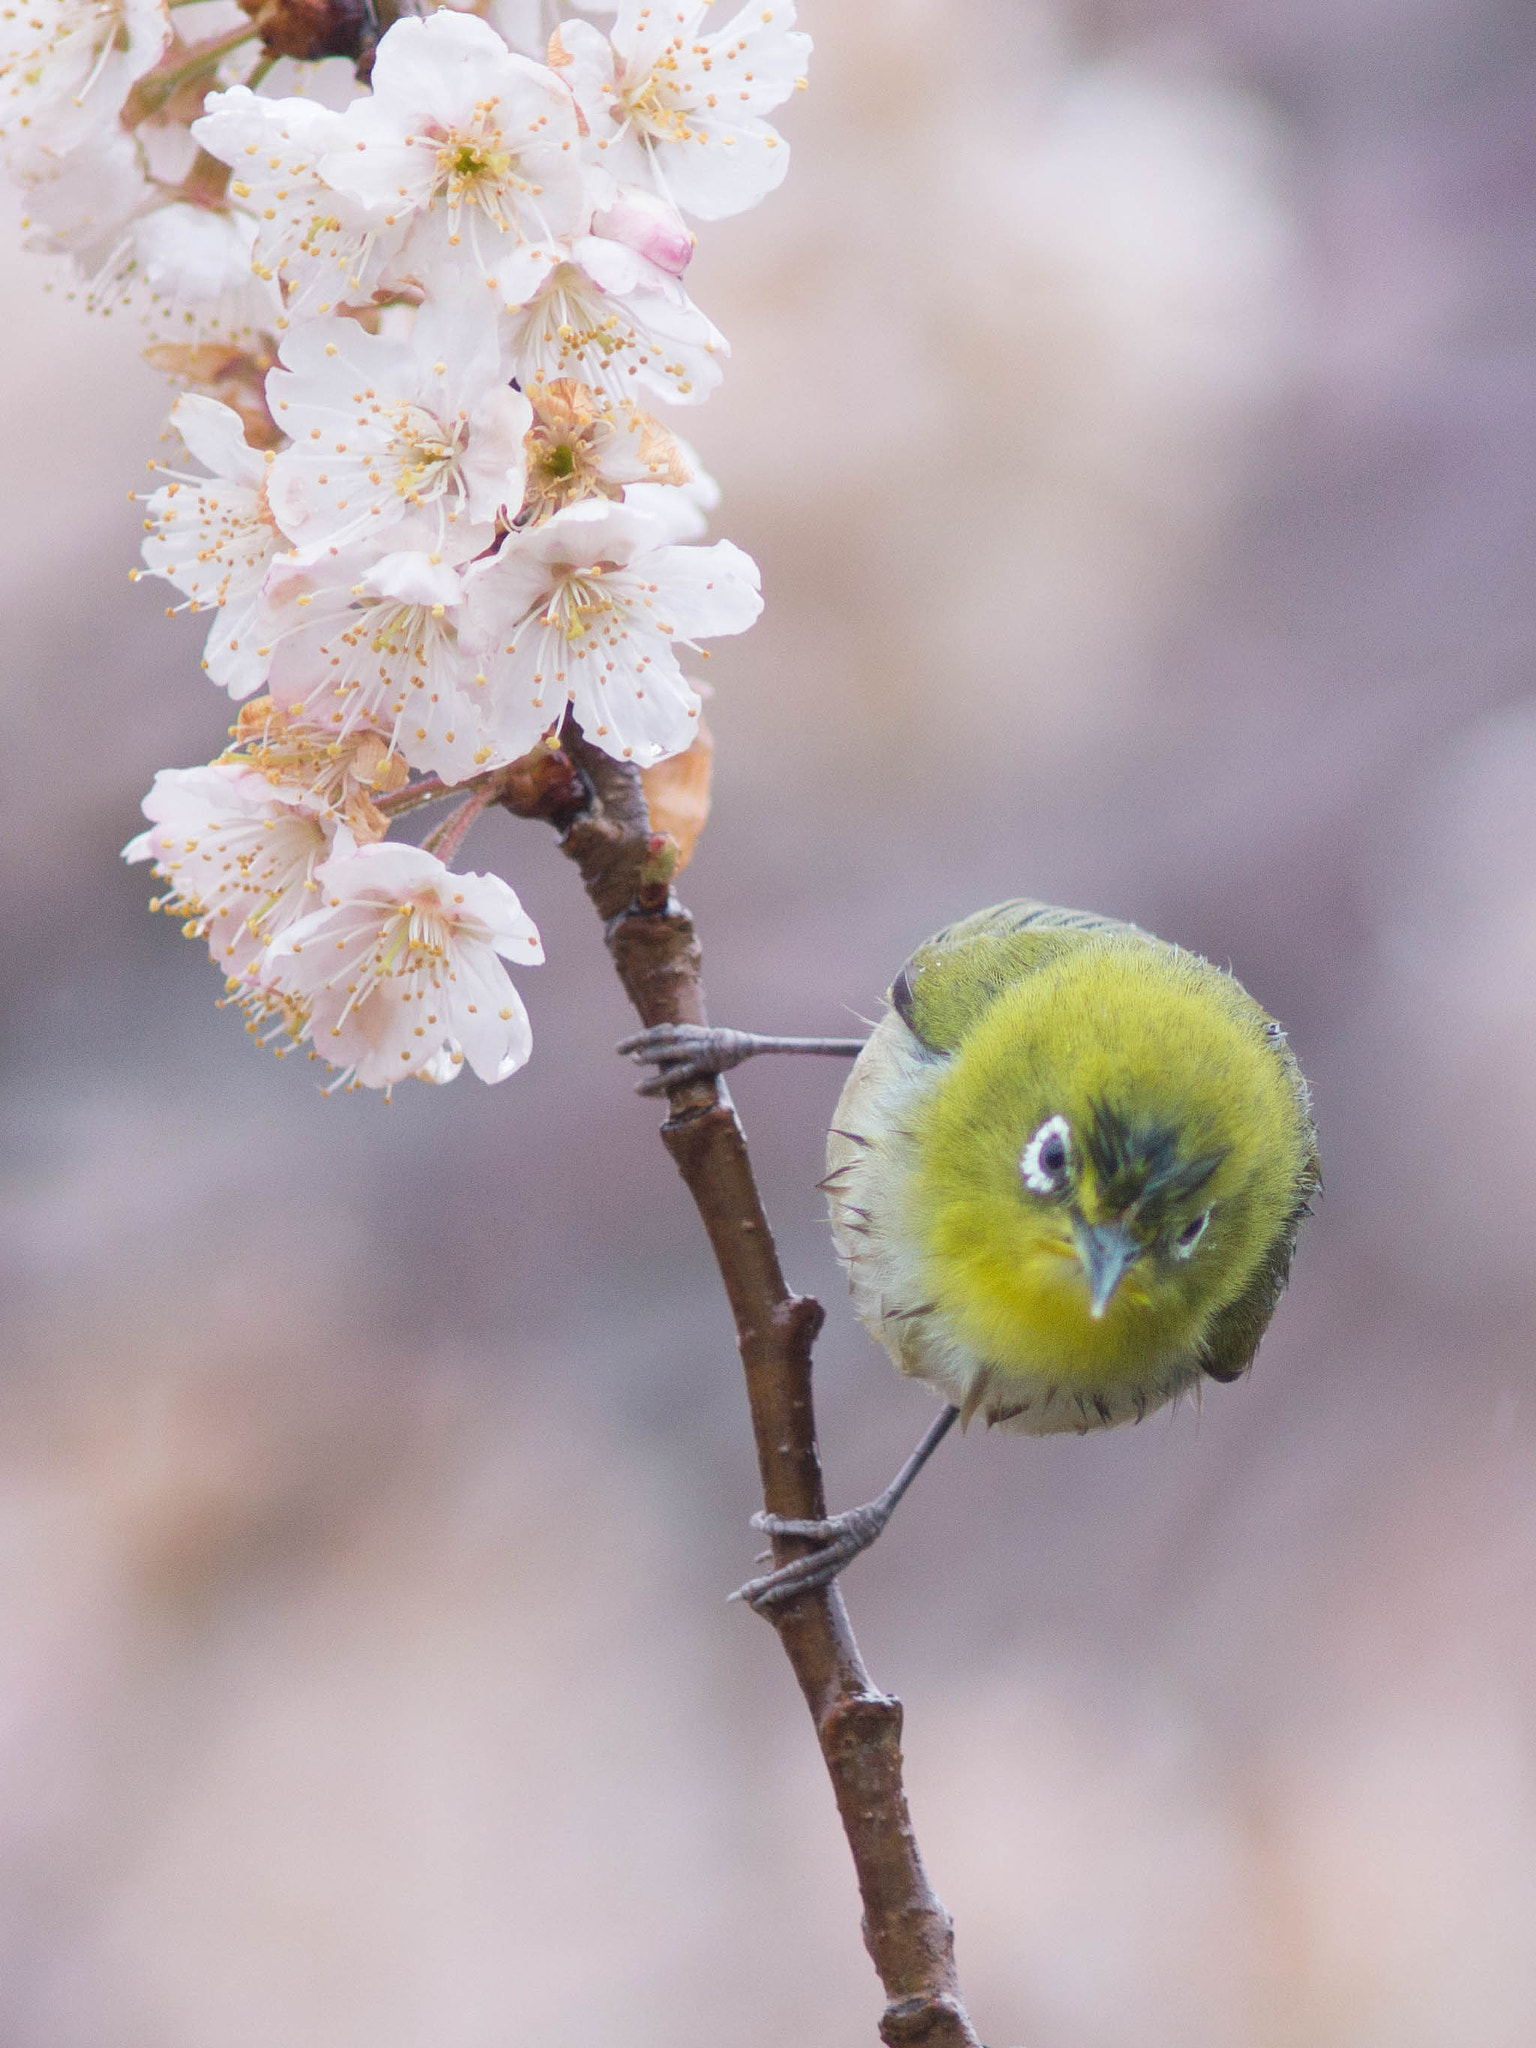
1188	1135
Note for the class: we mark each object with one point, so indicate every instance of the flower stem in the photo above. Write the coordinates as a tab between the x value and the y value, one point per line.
156	87
429	790
445	839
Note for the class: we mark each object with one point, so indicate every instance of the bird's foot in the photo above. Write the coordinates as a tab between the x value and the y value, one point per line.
839	1538
696	1052
686	1052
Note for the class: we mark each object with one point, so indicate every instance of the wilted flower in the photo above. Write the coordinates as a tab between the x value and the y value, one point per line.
580	447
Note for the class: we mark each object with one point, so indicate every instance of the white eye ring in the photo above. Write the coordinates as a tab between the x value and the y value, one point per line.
1046	1157
1184	1245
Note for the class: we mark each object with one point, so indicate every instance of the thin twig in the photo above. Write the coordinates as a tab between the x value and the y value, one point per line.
445	839
156	87
601	813
428	789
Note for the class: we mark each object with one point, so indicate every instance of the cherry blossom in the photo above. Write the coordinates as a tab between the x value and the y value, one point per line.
214	538
376	649
309	238
402	444
239	857
187	270
587	611
667	104
79	204
344	775
608	317
398	971
67	66
468	148
418	325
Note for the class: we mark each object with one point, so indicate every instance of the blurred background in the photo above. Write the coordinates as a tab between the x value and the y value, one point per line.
1133	413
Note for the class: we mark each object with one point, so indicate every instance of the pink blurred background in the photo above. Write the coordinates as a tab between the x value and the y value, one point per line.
1133	413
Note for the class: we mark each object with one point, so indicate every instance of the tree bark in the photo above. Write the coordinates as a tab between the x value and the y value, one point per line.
599	808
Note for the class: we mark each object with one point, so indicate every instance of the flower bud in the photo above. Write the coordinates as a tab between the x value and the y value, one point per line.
649	226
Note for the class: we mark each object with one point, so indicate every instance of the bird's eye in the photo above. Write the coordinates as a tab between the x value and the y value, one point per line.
1190	1236
1048	1157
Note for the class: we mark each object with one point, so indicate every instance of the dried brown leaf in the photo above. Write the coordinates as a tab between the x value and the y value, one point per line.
677	793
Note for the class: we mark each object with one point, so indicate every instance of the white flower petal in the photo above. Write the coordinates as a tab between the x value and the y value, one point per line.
709	590
585	610
80	203
67	66
671	106
464	147
214	539
358	647
395	444
323	247
399	970
215	435
634	336
240	857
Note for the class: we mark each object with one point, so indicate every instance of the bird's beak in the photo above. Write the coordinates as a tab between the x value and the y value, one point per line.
1107	1251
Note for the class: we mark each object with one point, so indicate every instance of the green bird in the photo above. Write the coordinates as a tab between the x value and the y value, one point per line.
1065	1177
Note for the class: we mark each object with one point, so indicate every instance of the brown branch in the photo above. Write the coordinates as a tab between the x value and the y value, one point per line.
312	29
599	808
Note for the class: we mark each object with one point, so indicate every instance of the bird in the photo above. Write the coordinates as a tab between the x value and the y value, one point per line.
1065	1178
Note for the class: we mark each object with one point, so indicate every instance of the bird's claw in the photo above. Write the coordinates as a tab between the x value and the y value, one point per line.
685	1052
839	1540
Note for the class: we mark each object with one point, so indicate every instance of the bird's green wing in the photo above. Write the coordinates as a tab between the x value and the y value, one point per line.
956	974
1229	1345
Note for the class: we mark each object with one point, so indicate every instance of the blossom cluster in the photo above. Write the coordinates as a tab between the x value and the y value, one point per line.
420	328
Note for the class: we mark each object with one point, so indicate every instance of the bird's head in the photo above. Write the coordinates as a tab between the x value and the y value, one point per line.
1108	1158
1126	1199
